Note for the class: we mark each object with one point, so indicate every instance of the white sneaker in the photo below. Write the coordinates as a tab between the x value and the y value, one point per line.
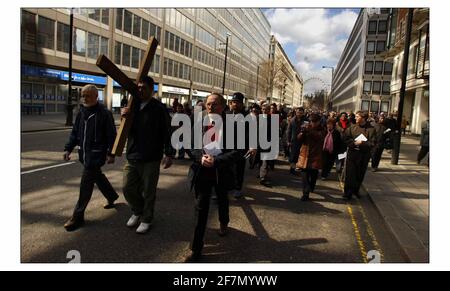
143	228
133	221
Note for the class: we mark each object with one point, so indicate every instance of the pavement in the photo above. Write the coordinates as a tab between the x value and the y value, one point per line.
401	195
49	121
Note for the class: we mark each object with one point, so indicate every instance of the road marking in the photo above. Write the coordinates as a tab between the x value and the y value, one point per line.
46	168
362	248
371	232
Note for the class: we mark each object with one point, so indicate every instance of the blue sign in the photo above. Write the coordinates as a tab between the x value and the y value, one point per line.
63	75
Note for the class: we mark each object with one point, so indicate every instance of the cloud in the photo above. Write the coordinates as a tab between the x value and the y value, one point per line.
319	35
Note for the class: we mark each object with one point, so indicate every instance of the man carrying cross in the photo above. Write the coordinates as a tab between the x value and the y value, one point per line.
148	138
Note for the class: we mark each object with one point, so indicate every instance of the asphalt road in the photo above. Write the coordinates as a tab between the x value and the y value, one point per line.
268	225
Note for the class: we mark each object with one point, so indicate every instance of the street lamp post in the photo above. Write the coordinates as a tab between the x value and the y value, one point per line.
69	117
225	64
331	86
397	133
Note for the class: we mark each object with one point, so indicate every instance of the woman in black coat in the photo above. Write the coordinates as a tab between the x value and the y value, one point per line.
332	146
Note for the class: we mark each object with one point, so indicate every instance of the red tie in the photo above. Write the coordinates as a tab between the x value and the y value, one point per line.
213	137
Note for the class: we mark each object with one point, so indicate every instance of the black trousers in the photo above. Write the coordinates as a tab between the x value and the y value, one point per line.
355	170
422	153
376	156
90	177
203	197
240	172
328	160
309	179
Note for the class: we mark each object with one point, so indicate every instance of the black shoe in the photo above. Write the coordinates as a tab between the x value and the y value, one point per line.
110	204
292	171
193	257
74	223
265	183
347	197
223	231
357	195
305	197
374	170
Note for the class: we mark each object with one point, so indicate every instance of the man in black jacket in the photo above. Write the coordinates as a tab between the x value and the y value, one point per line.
94	132
148	139
210	172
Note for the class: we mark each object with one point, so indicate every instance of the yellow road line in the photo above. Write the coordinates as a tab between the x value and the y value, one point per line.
362	248
371	232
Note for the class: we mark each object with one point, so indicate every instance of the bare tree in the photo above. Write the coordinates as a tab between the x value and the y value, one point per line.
271	76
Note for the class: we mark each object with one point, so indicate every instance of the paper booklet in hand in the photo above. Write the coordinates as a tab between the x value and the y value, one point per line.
361	137
212	149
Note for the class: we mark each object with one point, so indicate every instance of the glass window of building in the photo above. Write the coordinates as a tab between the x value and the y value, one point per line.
382	26
384	106
62	37
105	16
46	33
386	87
93	45
117	52
25	92
126	50
387	68
156	12
135	57
79	42
165	66
157	61
369	67
176	69
374	106
171	42
378	67
170	68
365	105
136	26
381	46
370	47
119	18
28	28
177	44
38	92
127	21
145	26
103	45
182	45
94	14
166	39
372	27
376	87
367	86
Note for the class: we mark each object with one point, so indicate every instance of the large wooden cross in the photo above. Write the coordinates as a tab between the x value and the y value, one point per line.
114	72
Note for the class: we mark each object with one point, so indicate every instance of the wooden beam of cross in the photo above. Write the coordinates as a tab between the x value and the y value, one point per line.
114	72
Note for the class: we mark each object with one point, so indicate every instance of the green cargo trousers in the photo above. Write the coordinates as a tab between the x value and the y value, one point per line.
139	187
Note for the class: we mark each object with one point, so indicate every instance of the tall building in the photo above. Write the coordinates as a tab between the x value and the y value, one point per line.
284	83
417	99
362	77
189	61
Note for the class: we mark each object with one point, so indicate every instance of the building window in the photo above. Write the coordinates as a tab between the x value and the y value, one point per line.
369	67
126	55
384	106
370	47
105	16
156	32
135	58
94	14
387	68
374	106
381	46
117	52
119	19
177	44
28	28
145	25
136	26
46	33
372	27
367	86
62	37
378	67
170	68
127	21
103	45
382	26
93	45
171	42
365	105
376	87
386	87
79	42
